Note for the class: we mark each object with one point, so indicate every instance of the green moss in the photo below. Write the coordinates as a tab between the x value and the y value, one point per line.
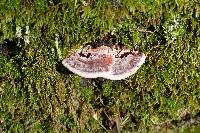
38	95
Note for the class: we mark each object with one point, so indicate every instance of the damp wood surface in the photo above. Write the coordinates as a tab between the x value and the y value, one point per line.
38	94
